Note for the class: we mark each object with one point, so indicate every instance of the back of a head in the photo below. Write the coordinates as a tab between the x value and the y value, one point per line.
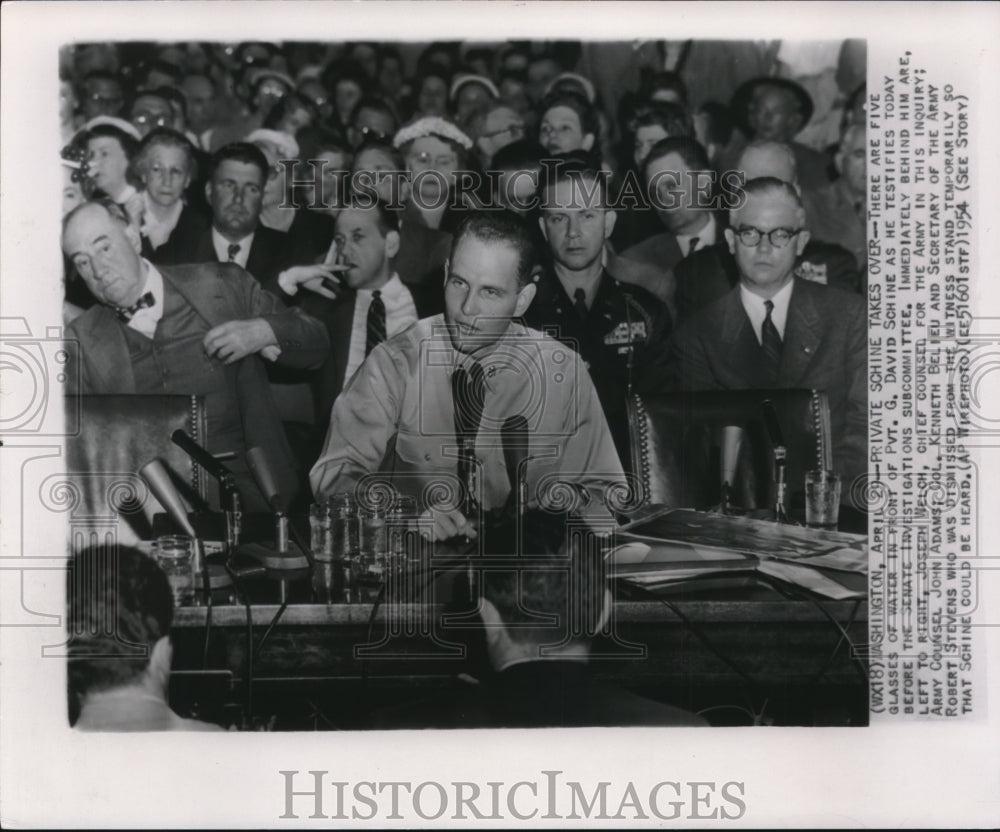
768	159
524	154
578	167
502	227
564	575
119	605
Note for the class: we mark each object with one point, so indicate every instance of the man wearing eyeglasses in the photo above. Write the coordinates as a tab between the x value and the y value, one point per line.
149	111
774	330
501	125
372	119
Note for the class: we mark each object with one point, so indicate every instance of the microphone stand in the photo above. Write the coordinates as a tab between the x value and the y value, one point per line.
779	482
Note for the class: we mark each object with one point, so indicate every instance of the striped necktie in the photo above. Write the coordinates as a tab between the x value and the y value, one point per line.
376	322
770	343
233	250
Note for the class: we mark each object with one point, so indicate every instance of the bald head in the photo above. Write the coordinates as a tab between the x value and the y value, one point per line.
768	159
104	249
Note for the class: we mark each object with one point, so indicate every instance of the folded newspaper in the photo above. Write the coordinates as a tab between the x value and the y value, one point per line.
670	546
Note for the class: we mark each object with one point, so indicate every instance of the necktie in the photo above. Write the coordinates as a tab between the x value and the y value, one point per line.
233	250
468	396
376	322
770	343
125	313
580	303
693	245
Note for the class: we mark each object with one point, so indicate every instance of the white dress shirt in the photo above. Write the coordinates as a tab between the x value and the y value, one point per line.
144	321
222	248
400	312
705	237
754	306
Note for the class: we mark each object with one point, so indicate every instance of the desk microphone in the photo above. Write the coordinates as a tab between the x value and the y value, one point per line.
229	495
286	560
773	429
514	439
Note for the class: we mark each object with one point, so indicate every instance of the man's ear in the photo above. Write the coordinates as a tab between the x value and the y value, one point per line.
208	193
134	238
800	241
588	141
391	244
524	298
159	663
730	239
838	161
610	217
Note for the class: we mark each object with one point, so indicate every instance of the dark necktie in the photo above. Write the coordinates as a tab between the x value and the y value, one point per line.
233	250
468	396
125	313
376	322
693	245
580	303
770	343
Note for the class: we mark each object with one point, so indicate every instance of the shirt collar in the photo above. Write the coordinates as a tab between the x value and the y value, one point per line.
154	283
390	290
222	244
705	235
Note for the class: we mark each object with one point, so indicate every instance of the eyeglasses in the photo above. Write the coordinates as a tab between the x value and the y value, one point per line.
777	237
516	131
142	120
425	158
372	133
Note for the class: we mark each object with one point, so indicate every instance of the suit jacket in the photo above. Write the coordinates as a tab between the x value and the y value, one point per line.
269	254
190	225
219	293
709	274
833	219
824	348
338	316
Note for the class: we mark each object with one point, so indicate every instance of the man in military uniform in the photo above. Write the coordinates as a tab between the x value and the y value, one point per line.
621	331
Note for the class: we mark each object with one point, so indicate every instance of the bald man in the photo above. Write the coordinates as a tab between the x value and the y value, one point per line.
775	330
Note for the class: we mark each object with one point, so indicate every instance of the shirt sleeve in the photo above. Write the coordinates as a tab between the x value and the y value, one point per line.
364	420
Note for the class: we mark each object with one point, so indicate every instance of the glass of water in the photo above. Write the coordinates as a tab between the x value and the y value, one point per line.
175	554
822	499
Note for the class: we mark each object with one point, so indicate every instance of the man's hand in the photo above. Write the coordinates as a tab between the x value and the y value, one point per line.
448	524
235	340
320	278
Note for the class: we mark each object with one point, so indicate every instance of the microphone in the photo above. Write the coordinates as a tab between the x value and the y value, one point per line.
732	441
200	455
156	477
773	429
285	561
514	439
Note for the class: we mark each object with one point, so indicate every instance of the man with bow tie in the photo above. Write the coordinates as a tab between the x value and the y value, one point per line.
447	385
193	330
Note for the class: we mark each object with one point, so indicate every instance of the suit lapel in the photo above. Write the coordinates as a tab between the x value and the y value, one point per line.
341	325
107	355
803	333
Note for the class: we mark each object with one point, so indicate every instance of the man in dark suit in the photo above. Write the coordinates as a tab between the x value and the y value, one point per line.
538	622
774	330
710	273
620	331
235	187
370	303
676	174
192	330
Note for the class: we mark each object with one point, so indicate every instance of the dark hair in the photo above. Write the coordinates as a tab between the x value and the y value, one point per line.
377	103
161	66
671	117
119	605
316	139
293	101
663	81
565	577
720	122
386	219
343	70
578	104
384	146
165	137
248	154
128	142
500	227
690	150
524	153
570	167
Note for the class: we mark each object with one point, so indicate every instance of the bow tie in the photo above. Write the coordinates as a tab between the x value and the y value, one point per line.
125	313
